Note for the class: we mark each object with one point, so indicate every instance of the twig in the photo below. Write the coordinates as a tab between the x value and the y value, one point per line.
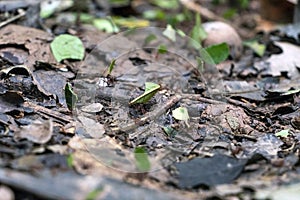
57	115
191	5
21	14
197	97
150	116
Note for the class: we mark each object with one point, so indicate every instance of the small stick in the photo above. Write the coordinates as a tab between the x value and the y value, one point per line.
191	5
151	115
21	14
57	115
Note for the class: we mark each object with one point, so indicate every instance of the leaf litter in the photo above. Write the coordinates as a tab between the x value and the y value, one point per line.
249	135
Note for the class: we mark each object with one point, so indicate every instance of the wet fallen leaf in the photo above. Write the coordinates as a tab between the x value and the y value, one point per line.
67	46
20	37
10	101
216	170
93	128
39	131
50	83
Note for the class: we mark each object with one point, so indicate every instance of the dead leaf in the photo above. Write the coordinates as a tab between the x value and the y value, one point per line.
61	149
40	131
30	41
286	62
93	128
10	100
49	83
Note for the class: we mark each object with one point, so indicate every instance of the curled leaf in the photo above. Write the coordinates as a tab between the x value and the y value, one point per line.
150	91
71	97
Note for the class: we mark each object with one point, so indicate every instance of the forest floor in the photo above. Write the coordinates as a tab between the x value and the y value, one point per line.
141	111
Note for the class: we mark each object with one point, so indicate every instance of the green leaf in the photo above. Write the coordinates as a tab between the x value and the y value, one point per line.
111	66
218	53
181	113
106	25
94	194
291	91
198	33
169	4
141	158
283	133
170	33
131	22
149	39
71	97
259	49
230	13
67	46
170	131
181	33
162	49
200	64
154	14
150	90
70	161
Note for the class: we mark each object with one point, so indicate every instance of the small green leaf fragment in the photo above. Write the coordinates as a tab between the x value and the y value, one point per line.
71	97
170	33
111	66
283	133
141	158
149	39
169	131
200	64
198	33
94	194
218	52
181	113
150	90
292	91
106	25
131	22
67	46
180	33
258	48
169	4
162	49
154	14
70	160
